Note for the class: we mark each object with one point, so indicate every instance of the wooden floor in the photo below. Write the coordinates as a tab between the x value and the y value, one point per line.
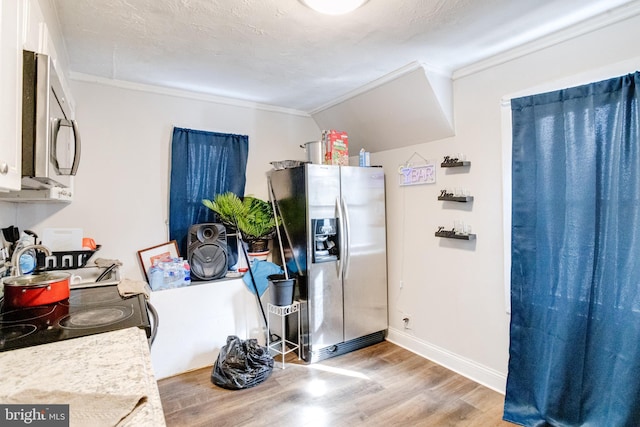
381	385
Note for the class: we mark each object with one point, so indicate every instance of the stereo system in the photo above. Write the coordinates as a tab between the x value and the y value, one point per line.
207	251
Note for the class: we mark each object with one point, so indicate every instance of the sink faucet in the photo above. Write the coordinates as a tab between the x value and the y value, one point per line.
15	259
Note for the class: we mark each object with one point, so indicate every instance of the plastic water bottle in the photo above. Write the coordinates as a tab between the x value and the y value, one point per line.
156	276
173	277
187	273
167	275
27	262
178	266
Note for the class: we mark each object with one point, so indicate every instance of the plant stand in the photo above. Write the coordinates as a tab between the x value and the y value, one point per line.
280	346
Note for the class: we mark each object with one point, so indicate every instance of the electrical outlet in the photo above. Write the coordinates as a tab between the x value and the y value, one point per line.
401	284
406	320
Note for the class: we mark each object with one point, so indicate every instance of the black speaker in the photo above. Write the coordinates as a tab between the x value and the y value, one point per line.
207	251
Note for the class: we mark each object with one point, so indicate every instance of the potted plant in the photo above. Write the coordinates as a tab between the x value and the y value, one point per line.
228	206
252	217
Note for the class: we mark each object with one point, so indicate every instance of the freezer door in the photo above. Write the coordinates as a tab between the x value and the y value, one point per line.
325	312
289	190
365	255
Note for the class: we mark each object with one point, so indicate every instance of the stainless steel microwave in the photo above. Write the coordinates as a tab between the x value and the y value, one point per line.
50	137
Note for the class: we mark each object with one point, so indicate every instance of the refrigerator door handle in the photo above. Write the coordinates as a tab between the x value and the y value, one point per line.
347	247
341	230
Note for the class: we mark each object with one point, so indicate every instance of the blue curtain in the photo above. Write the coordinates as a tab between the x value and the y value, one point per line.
575	276
203	164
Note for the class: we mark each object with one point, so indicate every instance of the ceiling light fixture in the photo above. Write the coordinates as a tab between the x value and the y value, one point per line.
333	7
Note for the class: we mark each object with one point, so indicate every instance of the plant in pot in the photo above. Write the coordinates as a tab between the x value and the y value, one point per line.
252	217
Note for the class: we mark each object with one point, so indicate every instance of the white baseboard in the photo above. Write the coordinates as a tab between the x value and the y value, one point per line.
481	374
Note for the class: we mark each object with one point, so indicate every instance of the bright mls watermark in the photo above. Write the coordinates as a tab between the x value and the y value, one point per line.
34	415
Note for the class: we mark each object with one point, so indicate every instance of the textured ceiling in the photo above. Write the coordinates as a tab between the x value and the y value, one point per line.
280	53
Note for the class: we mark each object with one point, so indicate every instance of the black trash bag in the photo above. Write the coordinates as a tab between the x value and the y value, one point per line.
241	364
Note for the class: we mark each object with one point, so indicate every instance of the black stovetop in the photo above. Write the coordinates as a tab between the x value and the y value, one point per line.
87	311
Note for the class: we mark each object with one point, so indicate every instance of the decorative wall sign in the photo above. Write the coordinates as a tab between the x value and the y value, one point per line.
417	174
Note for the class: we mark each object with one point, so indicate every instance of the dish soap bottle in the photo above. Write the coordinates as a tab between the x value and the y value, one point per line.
27	259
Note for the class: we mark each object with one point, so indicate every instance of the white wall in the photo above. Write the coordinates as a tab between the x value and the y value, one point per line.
8	214
453	291
121	189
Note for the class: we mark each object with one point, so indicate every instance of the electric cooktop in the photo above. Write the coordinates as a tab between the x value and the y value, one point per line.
87	311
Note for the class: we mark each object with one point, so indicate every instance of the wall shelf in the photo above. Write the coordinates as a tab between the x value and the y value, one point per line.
453	235
455	164
460	231
462	199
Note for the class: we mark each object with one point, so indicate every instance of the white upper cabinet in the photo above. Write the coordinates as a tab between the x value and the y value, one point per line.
11	14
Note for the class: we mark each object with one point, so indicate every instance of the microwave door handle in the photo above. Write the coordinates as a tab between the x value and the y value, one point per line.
56	123
55	128
76	149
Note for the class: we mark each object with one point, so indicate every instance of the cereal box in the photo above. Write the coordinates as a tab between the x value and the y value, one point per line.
336	145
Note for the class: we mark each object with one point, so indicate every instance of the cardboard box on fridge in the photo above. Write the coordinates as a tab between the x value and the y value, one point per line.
336	148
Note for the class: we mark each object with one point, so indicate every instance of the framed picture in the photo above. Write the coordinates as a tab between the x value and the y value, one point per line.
148	256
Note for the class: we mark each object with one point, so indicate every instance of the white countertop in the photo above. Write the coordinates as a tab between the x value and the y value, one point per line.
113	363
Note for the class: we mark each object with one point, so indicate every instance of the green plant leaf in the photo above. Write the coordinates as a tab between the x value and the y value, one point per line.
228	206
252	216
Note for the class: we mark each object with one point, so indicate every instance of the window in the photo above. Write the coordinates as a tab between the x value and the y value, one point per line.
203	164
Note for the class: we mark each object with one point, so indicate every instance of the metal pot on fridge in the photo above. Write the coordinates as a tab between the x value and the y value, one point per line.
315	151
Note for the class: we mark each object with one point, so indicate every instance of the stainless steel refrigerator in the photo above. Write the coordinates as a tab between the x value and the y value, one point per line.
334	241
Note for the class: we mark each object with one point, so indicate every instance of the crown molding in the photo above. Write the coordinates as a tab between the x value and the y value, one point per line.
603	20
89	78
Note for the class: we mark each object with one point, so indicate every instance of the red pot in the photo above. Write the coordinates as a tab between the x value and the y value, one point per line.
37	289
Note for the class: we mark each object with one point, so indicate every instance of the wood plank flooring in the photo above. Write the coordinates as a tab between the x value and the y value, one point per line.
381	385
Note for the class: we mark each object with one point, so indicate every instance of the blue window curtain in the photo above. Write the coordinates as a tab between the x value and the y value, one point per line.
203	164
575	276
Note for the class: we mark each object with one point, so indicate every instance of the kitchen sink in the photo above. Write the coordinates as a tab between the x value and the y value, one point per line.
87	276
